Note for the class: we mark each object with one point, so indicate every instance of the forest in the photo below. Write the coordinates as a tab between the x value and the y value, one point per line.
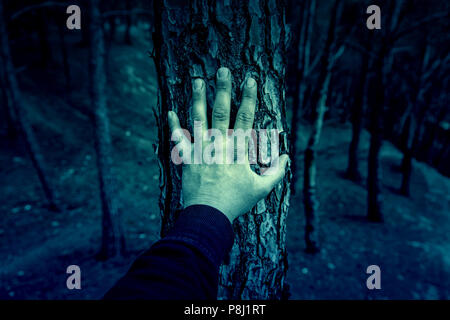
85	168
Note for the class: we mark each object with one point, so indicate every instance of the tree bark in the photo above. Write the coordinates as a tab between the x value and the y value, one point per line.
112	235
249	38
18	104
310	200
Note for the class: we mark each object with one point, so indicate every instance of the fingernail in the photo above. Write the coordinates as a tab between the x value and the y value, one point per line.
251	82
198	84
223	73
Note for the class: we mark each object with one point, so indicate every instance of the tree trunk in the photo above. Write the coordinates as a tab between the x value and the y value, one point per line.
64	52
301	68
112	28
406	168
21	117
248	38
310	200
44	43
85	23
128	22
353	172
415	116
112	236
8	113
376	105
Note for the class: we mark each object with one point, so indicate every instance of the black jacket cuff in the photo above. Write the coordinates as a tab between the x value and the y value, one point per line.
206	229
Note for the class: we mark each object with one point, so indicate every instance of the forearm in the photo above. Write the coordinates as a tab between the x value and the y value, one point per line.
182	265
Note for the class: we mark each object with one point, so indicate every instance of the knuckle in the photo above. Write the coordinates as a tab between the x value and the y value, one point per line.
199	121
197	118
222	85
245	116
220	113
249	94
197	95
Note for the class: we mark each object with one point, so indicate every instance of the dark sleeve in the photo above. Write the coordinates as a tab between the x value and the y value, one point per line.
185	263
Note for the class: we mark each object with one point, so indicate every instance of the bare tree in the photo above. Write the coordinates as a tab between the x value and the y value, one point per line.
319	99
17	102
112	235
415	114
376	106
302	70
357	115
249	38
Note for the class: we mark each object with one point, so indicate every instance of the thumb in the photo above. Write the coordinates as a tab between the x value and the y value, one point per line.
272	176
178	135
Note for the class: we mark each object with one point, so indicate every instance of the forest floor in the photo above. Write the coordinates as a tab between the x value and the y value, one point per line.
412	246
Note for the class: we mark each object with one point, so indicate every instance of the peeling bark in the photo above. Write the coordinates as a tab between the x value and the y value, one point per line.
249	38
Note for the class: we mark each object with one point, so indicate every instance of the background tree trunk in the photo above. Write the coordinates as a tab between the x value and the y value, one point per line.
44	43
7	112
18	104
357	116
376	105
415	116
319	102
64	51
406	166
112	236
248	38
303	48
128	18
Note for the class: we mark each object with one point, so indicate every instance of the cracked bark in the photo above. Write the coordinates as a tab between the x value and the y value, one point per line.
250	39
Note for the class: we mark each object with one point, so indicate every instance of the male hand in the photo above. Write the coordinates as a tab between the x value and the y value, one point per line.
233	188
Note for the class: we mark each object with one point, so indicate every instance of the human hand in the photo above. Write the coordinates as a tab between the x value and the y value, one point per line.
232	188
